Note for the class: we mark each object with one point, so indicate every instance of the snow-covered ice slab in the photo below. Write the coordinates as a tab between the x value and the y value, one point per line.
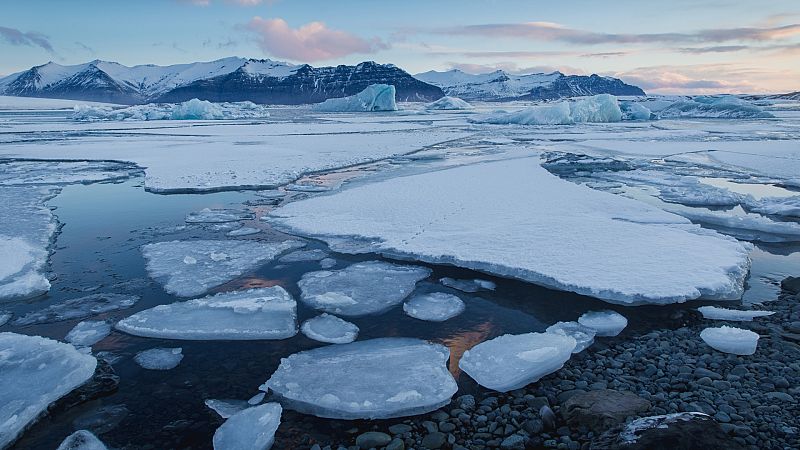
511	361
82	440
375	97
159	358
749	226
35	372
605	323
251	429
360	289
189	268
208	215
468	285
731	340
785	206
583	335
330	329
79	308
434	307
460	221
303	255
374	379
193	109
88	333
263	313
448	103
226	408
716	313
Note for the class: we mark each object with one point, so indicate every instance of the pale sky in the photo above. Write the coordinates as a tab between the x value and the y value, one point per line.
679	46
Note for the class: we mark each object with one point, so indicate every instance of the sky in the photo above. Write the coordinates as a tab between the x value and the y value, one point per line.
665	47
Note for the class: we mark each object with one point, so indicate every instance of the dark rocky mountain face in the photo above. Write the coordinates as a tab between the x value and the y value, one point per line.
579	85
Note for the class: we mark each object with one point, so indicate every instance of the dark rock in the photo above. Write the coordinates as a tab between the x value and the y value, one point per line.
791	284
103	382
599	410
396	444
514	442
682	431
372	439
434	440
399	428
548	417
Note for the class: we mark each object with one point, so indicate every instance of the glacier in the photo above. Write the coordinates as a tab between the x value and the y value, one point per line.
373	379
731	340
329	329
250	429
262	313
583	335
159	358
35	372
88	333
434	307
448	103
193	109
716	313
375	97
604	323
82	440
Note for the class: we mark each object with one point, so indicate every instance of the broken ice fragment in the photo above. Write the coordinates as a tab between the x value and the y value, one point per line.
583	335
250	429
79	308
731	340
88	333
434	307
605	323
82	440
159	358
715	313
226	408
208	215
330	329
468	285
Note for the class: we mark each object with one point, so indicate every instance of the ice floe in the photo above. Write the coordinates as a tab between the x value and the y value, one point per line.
327	263
747	226
330	329
78	308
785	206
583	335
716	313
434	307
460	222
448	103
468	285
159	358
303	255
605	323
250	429
722	107
189	268
360	289
731	340
262	313
511	362
243	231
35	372
208	215
226	408
375	97
82	440
374	379
88	333
193	109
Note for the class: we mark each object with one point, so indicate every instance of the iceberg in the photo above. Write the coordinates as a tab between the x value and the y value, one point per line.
468	285
263	313
250	429
635	111
193	109
605	323
373	379
448	103
730	340
226	408
360	289
376	97
583	335
189	268
159	358
35	372
723	107
511	362
82	440
434	307
79	308
460	222
329	329
598	108
208	215
716	313
88	333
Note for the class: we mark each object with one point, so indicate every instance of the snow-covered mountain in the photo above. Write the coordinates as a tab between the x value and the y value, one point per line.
500	85
228	79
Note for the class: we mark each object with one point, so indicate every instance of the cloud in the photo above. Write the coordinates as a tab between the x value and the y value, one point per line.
236	2
31	39
697	79
311	42
713	49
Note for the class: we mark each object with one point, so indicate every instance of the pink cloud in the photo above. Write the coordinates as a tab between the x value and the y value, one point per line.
311	42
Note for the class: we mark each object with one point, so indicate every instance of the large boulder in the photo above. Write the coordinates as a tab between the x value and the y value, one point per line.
791	284
602	409
680	431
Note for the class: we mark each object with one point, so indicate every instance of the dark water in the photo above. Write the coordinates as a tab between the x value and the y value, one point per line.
98	251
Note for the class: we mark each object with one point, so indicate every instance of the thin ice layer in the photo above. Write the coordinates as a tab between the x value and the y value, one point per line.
251	429
159	358
226	408
189	268
510	361
88	333
545	230
263	313
374	379
330	329
208	215
79	308
35	372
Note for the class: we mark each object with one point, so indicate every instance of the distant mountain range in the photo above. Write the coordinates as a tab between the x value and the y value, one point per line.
275	82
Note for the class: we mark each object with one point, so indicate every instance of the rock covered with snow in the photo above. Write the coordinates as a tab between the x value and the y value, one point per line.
731	340
35	372
193	109
82	440
88	333
262	313
716	313
448	103
159	358
373	379
605	323
468	285
511	362
583	335
251	429
189	268
434	307
330	329
360	289
375	97
722	107
79	308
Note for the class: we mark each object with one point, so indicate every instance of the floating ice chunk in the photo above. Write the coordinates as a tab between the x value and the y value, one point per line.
715	313
82	440
548	114
256	399
207	215
468	285
193	109
374	379
159	358
303	255
263	313
251	429
448	103
88	333
327	263
330	329
776	206
434	307
360	289
513	361
20	269
731	340
35	372
226	408
583	335
79	308
635	111
4	317
376	97
188	268
723	107
244	231
605	323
